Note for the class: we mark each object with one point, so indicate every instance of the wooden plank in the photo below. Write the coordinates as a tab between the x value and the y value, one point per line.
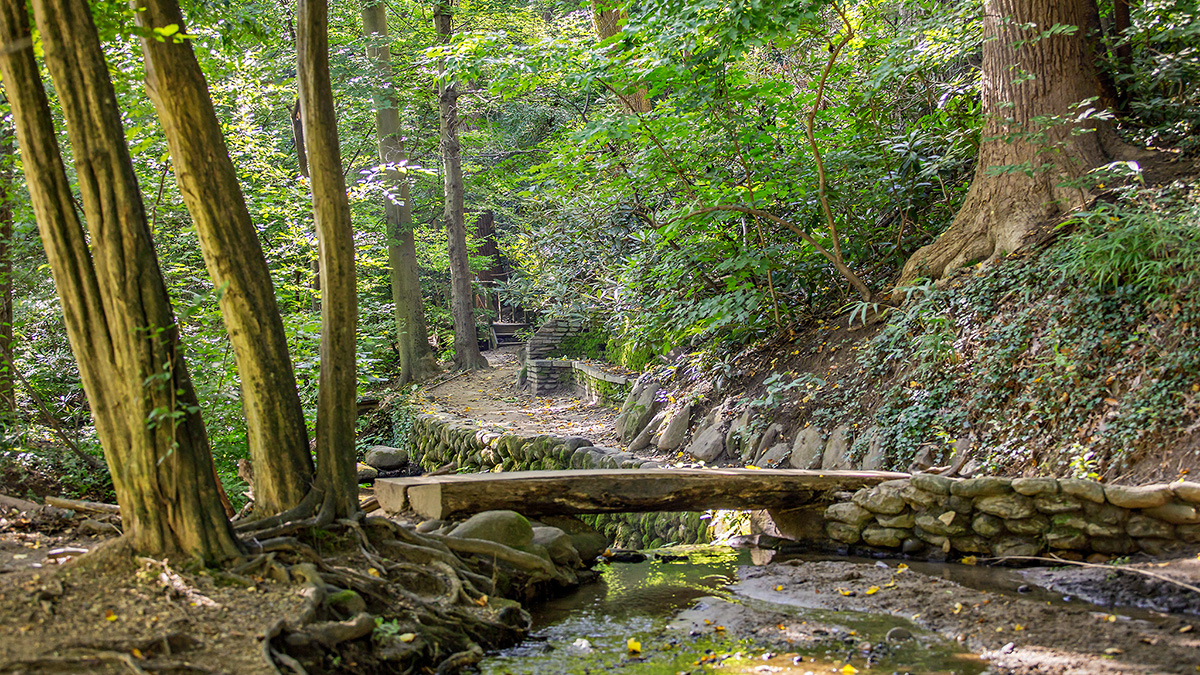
618	491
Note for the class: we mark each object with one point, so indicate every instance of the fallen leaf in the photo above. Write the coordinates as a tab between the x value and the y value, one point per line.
373	572
110	615
1186	629
872	590
1113	651
779	588
633	646
958	607
969	560
901	567
482	601
137	654
407	637
849	669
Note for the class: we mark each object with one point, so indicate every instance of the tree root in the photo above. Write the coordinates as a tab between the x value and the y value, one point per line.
460	660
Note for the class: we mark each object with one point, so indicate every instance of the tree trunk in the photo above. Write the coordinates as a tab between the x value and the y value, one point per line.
1024	78
276	431
417	361
608	17
466	339
115	306
336	473
8	401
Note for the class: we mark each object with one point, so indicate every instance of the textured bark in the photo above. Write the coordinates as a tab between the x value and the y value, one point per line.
8	403
278	438
608	17
1001	209
115	306
417	361
462	306
336	474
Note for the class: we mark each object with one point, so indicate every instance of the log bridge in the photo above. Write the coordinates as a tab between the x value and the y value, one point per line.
536	493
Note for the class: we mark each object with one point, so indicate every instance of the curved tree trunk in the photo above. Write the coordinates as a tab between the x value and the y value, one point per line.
115	305
8	400
276	432
417	361
1024	78
462	306
336	398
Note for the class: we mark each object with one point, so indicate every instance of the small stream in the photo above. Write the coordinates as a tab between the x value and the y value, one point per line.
665	616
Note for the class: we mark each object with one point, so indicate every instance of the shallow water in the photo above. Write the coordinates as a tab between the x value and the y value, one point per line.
662	618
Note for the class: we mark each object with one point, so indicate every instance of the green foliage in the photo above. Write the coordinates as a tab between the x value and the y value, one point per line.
592	344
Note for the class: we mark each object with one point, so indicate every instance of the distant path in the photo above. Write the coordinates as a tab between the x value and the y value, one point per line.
491	398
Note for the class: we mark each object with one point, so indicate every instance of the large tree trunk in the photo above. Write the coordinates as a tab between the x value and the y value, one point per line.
1024	78
608	17
276	431
8	401
115	306
336	408
462	307
417	361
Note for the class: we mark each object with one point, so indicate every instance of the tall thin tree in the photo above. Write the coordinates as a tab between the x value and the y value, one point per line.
336	474
462	300
417	361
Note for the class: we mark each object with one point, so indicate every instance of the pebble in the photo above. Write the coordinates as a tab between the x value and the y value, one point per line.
898	634
1023	588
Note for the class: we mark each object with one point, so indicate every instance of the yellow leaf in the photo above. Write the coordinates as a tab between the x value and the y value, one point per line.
958	607
707	622
633	646
779	588
372	571
843	591
872	590
719	628
137	654
408	637
781	627
969	560
849	669
890	584
1110	618
482	601
901	567
109	615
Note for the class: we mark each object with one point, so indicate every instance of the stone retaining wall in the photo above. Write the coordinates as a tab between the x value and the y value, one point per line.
547	338
929	515
438	439
593	384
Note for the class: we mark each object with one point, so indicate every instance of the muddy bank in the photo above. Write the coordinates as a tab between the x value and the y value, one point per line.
1015	633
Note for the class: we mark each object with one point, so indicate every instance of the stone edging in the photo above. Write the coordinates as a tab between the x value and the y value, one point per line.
1072	518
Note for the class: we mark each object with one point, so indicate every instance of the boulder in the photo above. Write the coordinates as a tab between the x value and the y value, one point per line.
773	456
987	525
1188	491
1140	497
737	438
1016	546
837	531
1088	490
559	545
880	499
632	420
587	540
849	513
503	527
676	429
708	444
1140	526
932	482
386	458
366	474
1175	513
884	537
646	435
903	521
984	486
876	457
836	449
806	451
1034	487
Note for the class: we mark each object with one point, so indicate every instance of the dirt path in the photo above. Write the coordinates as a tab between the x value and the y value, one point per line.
491	398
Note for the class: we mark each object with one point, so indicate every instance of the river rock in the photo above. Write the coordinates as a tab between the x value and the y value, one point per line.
503	527
876	457
1140	497
1087	490
1034	487
1175	512
849	513
806	451
843	532
773	456
1056	503
1008	507
1188	491
1067	538
559	545
708	444
676	429
932	482
879	499
587	540
1032	526
1018	546
836	448
366	474
902	521
898	634
386	458
886	537
987	525
984	486
1140	525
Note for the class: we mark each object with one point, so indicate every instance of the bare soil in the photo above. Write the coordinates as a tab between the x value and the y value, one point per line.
492	398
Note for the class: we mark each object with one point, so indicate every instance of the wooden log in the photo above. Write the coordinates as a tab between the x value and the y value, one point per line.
618	491
80	505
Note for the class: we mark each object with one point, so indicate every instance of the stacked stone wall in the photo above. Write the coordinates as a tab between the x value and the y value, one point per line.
550	335
593	384
439	439
929	515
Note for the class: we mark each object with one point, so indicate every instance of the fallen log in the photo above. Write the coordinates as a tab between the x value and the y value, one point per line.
80	505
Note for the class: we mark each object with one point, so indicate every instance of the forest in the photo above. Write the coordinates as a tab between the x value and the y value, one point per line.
259	261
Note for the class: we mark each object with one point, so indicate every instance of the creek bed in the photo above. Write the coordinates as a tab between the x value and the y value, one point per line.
682	614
